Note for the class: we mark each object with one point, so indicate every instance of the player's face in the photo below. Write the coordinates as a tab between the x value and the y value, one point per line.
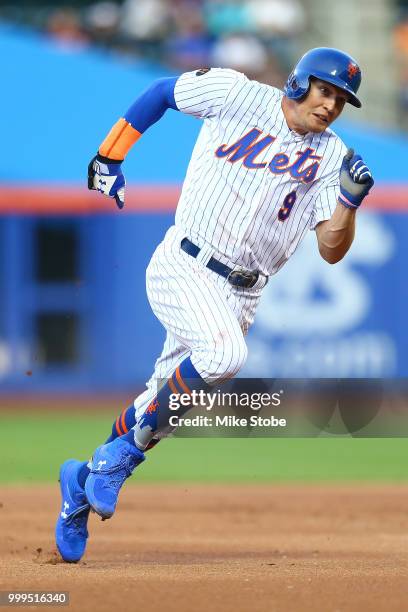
322	105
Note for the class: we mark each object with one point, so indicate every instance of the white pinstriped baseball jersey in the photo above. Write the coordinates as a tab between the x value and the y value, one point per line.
253	187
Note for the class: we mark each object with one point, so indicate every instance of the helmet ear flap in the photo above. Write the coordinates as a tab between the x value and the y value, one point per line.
292	86
297	86
293	82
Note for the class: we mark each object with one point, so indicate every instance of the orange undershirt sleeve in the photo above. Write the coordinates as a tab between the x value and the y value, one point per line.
119	140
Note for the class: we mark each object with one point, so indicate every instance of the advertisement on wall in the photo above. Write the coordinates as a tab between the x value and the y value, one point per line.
317	320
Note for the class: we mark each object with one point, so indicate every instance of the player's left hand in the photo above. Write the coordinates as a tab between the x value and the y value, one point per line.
355	180
105	175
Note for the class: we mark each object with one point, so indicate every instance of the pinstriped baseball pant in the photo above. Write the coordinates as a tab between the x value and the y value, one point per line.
205	317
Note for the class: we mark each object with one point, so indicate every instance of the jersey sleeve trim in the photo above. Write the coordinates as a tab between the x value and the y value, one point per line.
325	203
328	194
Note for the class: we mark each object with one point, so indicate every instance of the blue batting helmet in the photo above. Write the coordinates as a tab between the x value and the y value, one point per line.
330	65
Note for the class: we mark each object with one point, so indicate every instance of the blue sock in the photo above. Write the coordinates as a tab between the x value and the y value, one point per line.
156	416
124	423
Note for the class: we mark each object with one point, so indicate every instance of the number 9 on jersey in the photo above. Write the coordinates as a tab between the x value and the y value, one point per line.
287	205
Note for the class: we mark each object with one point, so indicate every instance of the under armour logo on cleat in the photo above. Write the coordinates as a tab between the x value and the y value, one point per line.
100	464
63	513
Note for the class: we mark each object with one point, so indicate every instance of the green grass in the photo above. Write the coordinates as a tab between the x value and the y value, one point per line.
33	445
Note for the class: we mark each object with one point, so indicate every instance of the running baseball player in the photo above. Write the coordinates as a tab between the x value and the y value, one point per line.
266	168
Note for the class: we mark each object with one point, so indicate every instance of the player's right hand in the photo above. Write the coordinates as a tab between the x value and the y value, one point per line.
105	175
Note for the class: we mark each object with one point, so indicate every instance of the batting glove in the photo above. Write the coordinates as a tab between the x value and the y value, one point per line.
355	180
105	175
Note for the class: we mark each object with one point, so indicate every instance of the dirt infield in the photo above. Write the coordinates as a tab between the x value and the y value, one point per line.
224	548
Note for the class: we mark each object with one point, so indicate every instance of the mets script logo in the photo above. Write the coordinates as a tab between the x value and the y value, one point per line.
352	70
250	146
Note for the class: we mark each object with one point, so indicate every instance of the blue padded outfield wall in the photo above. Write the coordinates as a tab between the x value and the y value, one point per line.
314	319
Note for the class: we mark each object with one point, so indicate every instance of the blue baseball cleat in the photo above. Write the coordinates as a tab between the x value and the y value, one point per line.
71	530
111	464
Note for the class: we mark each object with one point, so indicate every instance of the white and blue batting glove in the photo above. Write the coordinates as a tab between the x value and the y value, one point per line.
105	175
355	180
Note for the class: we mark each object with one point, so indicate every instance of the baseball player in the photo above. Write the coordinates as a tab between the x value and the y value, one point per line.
266	168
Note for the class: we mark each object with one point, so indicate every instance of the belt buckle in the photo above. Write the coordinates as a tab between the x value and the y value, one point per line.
243	278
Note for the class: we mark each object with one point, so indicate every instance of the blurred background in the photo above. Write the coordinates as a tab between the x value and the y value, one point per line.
74	316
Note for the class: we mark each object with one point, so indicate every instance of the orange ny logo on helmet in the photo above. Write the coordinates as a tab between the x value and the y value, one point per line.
352	70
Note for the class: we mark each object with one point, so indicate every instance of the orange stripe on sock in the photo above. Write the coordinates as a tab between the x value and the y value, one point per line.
181	382
119	140
173	387
118	428
122	421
